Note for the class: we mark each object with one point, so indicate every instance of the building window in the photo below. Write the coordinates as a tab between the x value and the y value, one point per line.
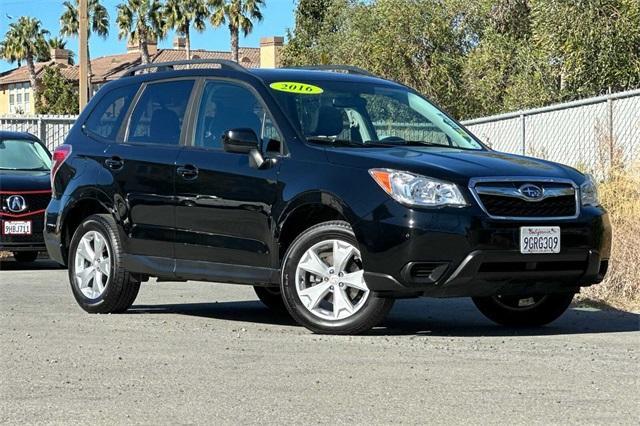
19	101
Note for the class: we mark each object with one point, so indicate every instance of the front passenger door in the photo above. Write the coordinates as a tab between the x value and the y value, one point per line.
223	211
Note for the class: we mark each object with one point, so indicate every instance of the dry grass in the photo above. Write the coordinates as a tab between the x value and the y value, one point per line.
620	195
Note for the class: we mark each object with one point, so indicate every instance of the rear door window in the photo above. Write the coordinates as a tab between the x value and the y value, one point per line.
106	118
159	113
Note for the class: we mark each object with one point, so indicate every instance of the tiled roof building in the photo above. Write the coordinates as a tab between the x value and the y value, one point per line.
16	95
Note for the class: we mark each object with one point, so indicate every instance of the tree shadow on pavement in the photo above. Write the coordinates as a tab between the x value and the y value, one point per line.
420	317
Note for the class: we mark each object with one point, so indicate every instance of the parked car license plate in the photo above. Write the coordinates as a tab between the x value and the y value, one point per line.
539	239
16	227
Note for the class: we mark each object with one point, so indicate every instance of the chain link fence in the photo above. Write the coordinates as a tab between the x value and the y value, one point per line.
591	134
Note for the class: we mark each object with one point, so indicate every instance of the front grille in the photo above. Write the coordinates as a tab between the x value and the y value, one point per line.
515	207
509	199
35	202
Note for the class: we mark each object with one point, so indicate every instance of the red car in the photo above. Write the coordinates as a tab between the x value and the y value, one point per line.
25	191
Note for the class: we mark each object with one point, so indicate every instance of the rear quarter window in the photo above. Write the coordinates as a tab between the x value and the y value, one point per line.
106	118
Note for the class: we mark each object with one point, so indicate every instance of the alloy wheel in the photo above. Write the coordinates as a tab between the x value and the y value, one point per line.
330	280
92	264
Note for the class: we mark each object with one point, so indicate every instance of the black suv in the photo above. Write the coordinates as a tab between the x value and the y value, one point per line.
331	191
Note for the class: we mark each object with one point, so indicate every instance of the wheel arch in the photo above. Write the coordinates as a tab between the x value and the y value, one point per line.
307	210
77	212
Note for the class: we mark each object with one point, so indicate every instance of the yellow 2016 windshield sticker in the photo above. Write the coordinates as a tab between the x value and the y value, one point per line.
299	88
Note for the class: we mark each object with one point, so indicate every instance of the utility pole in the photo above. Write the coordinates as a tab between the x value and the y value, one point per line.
82	51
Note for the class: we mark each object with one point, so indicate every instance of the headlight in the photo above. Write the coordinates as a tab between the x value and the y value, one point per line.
589	192
415	190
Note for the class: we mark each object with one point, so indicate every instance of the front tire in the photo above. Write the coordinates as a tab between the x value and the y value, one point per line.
25	256
99	282
524	311
323	283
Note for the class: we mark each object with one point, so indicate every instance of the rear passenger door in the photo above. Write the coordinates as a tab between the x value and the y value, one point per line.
143	166
223	211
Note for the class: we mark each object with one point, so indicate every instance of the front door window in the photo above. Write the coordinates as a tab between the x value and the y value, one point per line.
226	106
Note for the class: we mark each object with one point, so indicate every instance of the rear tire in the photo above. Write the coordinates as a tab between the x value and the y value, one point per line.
271	298
25	256
323	283
99	282
524	311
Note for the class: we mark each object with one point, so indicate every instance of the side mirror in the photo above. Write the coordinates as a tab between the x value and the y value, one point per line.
241	141
245	141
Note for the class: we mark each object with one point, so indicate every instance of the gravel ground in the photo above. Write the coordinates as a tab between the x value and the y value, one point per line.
191	353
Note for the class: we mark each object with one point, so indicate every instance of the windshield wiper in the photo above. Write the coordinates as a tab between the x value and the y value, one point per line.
404	143
416	143
37	169
324	140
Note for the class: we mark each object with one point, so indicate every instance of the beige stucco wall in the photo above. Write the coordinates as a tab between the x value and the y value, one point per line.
270	48
4	99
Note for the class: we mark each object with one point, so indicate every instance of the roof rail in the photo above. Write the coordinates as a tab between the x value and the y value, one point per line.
166	66
349	69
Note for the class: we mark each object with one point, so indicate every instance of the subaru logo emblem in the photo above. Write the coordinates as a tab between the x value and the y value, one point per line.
532	192
16	203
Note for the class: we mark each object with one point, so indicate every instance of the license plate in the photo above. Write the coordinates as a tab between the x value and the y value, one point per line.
539	239
16	227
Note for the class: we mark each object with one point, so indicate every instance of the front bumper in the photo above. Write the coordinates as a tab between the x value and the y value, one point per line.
13	247
33	242
461	252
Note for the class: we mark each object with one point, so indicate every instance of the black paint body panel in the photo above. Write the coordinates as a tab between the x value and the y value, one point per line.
229	219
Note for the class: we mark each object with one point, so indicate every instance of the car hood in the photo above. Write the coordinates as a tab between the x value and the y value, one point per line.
21	180
451	164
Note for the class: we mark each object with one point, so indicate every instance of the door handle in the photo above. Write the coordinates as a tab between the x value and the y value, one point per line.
188	171
114	163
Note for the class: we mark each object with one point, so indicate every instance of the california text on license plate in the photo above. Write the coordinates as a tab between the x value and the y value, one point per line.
539	239
16	227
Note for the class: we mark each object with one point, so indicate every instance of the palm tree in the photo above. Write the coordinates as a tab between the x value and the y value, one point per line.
141	21
52	43
25	40
60	43
98	19
180	15
8	50
57	43
238	15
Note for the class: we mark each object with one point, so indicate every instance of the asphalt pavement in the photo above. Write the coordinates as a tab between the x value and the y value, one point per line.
202	353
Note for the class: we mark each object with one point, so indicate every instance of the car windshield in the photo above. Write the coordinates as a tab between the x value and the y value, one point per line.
368	115
23	155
